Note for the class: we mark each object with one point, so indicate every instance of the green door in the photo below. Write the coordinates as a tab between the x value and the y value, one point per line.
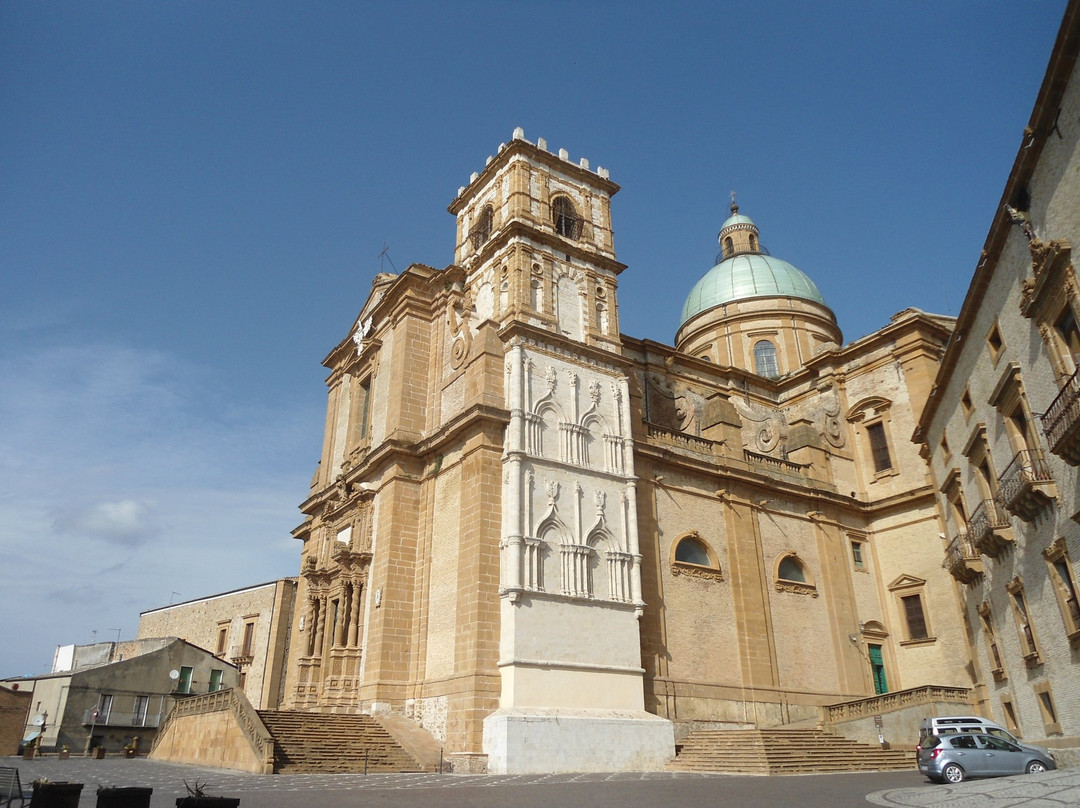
877	668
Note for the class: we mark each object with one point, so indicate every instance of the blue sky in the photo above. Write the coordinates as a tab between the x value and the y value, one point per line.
194	196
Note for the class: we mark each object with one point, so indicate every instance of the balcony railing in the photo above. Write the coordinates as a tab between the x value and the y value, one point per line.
119	718
962	560
1061	422
1026	486
990	529
776	463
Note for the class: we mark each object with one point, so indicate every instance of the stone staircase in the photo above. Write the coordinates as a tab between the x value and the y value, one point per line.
782	751
334	743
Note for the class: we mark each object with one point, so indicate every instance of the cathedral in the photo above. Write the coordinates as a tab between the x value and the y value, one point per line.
552	545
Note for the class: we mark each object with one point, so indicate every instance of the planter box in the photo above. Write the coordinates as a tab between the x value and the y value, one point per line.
28	753
98	752
207	802
56	795
124	797
64	754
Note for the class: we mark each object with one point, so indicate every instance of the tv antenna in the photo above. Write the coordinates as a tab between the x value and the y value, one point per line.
385	254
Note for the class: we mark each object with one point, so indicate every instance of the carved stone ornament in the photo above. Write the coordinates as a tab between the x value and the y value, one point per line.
683	569
1049	260
772	425
458	315
674	407
832	427
797	588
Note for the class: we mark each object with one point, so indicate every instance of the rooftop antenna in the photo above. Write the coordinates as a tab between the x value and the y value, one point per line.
385	254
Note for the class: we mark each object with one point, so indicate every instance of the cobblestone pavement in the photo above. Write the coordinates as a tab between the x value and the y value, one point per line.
1054	789
624	790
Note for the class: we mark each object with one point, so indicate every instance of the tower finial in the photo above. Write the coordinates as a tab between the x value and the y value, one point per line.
734	205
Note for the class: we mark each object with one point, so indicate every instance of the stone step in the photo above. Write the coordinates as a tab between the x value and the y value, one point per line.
333	743
782	751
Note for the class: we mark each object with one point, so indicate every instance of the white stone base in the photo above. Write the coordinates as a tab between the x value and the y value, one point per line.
537	741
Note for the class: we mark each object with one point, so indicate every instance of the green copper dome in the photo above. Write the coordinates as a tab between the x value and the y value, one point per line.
745	271
745	276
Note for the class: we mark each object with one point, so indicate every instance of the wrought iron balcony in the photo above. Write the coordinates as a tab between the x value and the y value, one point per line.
1061	422
990	529
1026	487
962	560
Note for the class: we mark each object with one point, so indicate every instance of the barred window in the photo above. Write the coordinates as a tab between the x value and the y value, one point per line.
481	231
566	219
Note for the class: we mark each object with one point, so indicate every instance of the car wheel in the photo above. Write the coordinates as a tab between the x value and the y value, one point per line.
953	773
1035	767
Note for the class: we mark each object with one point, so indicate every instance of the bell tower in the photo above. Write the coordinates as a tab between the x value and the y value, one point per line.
534	237
536	260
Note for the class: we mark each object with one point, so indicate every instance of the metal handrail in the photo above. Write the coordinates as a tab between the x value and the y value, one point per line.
1027	466
961	547
987	516
1063	412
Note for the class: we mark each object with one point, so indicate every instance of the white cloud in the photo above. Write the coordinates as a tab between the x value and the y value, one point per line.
124	522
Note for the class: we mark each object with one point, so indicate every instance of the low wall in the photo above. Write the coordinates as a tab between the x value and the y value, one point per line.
220	730
895	717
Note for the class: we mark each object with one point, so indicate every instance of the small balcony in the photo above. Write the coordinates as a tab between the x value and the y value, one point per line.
989	529
1025	488
962	560
1061	422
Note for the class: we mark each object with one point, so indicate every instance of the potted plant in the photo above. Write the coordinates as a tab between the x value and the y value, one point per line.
98	752
64	753
197	798
29	751
131	748
131	797
56	795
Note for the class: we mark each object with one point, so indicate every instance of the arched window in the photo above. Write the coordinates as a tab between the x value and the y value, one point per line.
729	247
791	569
566	219
692	551
481	231
693	558
765	363
753	242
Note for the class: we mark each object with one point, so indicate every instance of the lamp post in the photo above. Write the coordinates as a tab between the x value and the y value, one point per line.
93	725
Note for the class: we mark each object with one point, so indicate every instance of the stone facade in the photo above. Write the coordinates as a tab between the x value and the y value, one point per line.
533	534
1002	427
247	627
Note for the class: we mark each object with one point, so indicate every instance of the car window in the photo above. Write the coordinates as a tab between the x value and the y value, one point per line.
931	742
1000	733
964	742
1000	745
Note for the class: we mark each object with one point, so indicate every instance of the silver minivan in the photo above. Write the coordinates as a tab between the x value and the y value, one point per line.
950	724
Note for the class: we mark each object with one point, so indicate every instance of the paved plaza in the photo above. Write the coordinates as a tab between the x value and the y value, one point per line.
624	790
